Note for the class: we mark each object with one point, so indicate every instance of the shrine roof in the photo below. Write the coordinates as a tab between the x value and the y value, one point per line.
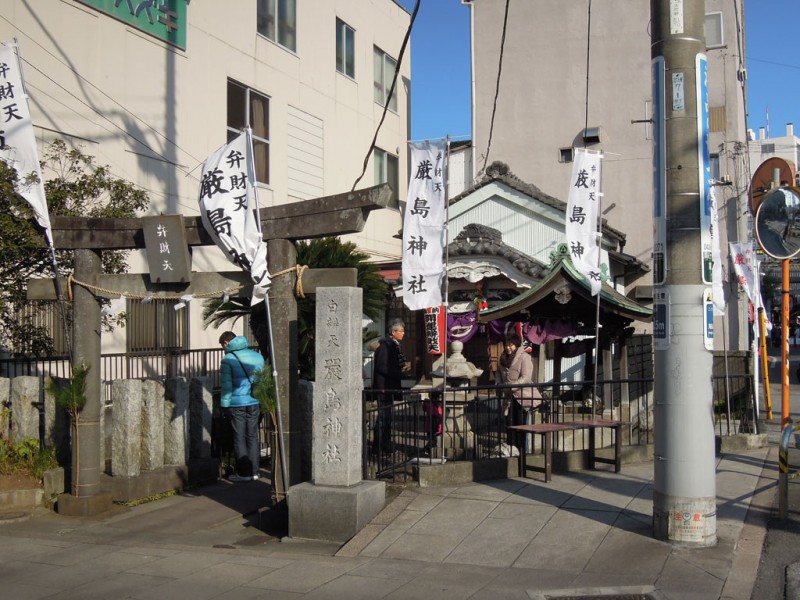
556	294
499	173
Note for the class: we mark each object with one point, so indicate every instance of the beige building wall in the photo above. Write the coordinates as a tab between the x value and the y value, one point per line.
543	107
541	104
153	112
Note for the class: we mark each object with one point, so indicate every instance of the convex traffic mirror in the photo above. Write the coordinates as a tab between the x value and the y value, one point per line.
778	223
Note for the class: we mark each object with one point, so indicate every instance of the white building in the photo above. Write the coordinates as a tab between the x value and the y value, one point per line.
785	147
151	91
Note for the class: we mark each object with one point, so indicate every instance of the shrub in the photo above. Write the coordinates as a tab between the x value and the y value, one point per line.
26	458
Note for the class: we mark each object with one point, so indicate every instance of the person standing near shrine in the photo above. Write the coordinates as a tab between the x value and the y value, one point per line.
236	373
389	365
515	367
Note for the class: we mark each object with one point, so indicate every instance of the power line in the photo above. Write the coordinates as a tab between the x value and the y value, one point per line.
125	132
82	78
497	87
772	62
390	94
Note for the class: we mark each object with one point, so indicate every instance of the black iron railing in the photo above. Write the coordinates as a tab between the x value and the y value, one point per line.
470	423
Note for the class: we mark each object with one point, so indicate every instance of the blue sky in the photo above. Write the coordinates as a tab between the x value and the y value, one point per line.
440	102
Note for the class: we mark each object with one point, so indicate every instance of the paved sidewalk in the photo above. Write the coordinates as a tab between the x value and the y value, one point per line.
585	533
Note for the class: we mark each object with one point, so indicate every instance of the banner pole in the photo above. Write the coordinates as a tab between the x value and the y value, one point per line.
48	233
446	302
597	325
279	424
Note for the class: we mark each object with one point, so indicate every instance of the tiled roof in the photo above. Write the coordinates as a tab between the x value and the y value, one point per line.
498	172
477	239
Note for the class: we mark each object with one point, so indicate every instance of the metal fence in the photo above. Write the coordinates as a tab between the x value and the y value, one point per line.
470	423
474	423
134	365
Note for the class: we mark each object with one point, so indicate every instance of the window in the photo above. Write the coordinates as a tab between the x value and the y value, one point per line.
713	29
156	325
767	148
716	118
248	107
277	21
387	170
40	317
565	155
593	135
384	67
345	49
713	163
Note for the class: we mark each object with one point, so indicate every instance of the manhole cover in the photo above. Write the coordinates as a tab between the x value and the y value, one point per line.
7	517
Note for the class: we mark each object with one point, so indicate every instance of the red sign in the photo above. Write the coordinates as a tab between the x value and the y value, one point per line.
434	329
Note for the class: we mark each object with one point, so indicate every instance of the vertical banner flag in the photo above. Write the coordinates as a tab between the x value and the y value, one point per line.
229	210
434	329
744	265
582	211
424	227
17	140
717	287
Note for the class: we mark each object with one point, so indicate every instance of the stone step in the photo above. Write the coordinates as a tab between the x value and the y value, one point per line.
13	500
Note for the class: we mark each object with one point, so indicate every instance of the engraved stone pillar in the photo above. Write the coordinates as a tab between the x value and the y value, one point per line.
24	412
338	503
126	440
202	405
152	424
336	424
176	421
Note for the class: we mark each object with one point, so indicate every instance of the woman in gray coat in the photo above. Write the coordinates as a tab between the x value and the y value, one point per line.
515	367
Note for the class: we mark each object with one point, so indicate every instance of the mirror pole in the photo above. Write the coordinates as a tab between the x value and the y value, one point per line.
785	340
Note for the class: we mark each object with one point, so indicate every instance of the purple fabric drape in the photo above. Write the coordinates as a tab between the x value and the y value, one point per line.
545	330
461	328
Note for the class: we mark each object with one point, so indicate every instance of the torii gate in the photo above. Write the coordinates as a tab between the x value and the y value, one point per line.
330	215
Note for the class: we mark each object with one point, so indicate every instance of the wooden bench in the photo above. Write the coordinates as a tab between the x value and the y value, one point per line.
547	430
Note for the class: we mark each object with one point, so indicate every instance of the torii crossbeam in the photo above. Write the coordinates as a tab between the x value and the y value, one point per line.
327	216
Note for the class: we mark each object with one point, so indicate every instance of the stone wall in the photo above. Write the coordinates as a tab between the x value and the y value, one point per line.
150	423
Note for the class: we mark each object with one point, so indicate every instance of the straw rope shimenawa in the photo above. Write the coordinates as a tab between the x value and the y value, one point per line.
105	291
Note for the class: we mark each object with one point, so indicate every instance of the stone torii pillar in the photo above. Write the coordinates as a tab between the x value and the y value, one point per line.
331	215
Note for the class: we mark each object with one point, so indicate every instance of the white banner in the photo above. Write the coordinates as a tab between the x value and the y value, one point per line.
746	269
17	140
229	210
581	218
424	227
717	285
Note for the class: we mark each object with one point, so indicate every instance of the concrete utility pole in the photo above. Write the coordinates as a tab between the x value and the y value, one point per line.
684	498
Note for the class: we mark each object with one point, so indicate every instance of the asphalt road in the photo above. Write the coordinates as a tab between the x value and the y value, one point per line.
781	551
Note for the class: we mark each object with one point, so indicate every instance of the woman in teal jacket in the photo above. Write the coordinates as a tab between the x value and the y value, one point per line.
235	375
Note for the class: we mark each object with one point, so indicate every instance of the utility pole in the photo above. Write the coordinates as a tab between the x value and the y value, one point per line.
684	495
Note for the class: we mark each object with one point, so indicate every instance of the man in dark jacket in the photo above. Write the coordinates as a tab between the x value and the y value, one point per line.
235	377
389	364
